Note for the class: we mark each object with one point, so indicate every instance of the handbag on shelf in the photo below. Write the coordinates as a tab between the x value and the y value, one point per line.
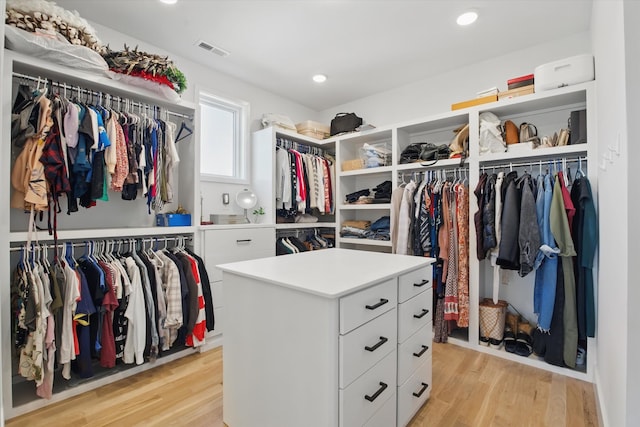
511	133
459	146
345	122
578	127
430	151
529	133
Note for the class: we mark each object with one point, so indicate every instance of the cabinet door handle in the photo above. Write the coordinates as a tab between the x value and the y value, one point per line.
382	302
421	352
421	315
382	388
378	344
421	284
243	240
424	388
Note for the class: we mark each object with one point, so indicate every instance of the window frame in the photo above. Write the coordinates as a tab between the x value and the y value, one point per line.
240	109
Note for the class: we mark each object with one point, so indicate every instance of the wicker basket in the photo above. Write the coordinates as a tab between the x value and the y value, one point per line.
492	317
349	165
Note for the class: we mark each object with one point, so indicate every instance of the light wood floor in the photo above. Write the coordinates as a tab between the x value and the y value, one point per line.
470	389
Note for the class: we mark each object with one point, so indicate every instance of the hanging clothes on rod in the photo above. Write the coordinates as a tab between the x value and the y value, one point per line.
305	177
118	302
539	232
431	219
78	144
90	93
303	240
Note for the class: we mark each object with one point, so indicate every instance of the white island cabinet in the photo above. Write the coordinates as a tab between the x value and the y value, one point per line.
327	338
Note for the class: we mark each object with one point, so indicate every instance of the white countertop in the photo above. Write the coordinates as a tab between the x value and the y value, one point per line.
329	273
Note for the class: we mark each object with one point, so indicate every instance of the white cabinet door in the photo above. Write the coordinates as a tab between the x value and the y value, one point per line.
238	244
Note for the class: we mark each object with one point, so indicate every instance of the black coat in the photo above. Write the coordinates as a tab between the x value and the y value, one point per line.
509	252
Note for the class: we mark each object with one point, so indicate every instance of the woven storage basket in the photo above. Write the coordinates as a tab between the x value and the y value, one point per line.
492	318
349	165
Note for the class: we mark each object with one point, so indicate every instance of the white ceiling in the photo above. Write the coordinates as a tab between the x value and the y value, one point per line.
363	46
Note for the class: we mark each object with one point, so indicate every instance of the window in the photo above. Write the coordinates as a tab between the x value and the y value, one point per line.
224	139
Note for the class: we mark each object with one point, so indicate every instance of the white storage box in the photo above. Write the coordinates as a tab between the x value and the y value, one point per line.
565	72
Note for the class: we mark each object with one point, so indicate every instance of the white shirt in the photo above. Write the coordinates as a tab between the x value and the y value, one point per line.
135	313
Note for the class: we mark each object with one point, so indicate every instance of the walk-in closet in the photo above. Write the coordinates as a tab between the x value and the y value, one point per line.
325	214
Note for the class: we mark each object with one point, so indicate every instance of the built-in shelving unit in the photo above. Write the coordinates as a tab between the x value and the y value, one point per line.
548	110
115	219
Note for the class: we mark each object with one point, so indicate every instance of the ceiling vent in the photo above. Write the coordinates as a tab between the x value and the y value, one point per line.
211	48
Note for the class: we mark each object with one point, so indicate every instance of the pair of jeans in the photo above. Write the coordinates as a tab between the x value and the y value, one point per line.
546	263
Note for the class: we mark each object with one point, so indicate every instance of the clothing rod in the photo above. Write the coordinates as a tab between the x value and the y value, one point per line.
74	88
536	163
434	171
299	146
77	244
184	116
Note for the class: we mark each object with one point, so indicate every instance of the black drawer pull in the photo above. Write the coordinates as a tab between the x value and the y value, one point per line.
421	352
382	388
424	388
243	240
421	284
421	315
382	302
378	344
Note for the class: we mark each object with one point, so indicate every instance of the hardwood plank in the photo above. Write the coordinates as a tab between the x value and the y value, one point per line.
557	402
469	389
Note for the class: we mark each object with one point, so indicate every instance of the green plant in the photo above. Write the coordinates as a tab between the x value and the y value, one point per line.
259	211
178	79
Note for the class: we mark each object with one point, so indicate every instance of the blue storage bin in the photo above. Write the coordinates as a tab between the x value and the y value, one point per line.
173	220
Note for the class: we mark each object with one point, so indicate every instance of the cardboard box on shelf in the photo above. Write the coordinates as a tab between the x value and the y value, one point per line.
512	93
473	102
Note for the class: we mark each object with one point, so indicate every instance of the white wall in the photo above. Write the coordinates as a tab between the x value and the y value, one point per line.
612	329
632	58
201	78
4	222
435	95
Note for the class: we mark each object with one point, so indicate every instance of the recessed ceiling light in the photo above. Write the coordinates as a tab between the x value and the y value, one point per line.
169	1
467	18
319	78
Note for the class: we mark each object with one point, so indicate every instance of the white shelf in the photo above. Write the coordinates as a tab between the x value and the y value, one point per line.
367	171
303	225
205	227
367	242
532	360
440	164
322	143
29	65
368	136
551	99
538	153
366	207
105	233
